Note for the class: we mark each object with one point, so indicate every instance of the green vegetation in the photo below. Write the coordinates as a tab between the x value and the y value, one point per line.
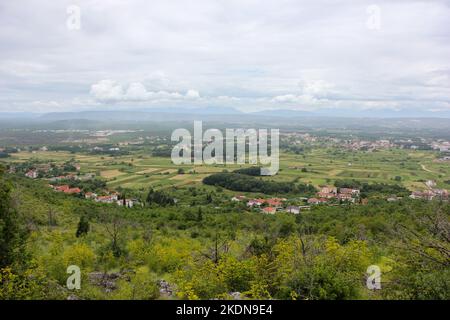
209	253
373	188
186	239
243	182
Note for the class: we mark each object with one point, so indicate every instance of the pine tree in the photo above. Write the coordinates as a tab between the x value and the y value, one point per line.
83	226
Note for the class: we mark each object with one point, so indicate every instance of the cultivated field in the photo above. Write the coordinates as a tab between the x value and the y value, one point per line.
318	167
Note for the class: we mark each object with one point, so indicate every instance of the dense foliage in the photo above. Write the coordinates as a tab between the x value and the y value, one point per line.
370	188
218	248
247	183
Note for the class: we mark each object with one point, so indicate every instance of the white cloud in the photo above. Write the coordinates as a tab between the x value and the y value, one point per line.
193	94
107	90
244	54
111	91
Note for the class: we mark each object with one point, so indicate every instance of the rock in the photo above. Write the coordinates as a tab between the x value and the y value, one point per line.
236	295
105	280
165	289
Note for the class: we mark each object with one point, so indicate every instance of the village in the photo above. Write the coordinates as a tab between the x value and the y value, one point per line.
327	195
432	193
62	183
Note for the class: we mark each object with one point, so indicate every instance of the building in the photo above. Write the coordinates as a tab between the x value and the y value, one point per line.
66	189
430	183
275	202
63	188
330	190
238	198
73	191
270	210
313	201
33	174
255	202
105	199
126	203
293	209
326	195
346	197
90	195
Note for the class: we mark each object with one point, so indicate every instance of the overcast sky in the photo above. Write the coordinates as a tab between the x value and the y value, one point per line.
250	55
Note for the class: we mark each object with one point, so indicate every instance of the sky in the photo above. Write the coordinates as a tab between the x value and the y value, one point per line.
245	54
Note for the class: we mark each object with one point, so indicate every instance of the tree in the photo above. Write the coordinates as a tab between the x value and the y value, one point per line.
83	226
13	233
160	198
114	225
199	214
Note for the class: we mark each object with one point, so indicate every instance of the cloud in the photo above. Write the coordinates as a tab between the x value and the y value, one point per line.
107	90
250	55
193	94
111	91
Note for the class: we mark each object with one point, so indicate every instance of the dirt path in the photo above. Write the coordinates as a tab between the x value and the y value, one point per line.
427	170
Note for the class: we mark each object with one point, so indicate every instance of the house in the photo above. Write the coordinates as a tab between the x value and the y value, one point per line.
90	195
238	198
441	193
114	196
430	183
275	202
73	191
313	201
126	203
326	195
255	202
63	188
331	190
270	210
345	191
293	209
426	195
33	174
105	199
67	189
346	197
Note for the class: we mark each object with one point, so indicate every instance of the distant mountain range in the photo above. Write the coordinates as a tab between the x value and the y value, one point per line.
213	113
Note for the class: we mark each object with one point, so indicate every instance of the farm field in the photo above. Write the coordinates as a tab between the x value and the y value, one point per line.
319	166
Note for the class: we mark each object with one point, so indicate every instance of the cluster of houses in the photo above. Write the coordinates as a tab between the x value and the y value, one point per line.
110	198
325	195
367	145
328	194
44	169
271	205
65	189
432	194
32	174
441	145
72	176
